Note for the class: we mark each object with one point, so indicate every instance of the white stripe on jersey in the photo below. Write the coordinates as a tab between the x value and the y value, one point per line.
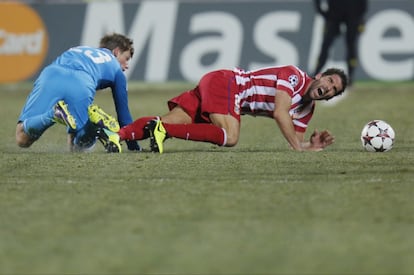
296	99
286	84
300	124
240	80
257	105
264	106
258	90
265	76
299	112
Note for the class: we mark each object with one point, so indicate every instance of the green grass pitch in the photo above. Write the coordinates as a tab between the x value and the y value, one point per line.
257	208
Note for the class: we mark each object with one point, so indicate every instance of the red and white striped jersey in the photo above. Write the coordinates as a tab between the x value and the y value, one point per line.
257	90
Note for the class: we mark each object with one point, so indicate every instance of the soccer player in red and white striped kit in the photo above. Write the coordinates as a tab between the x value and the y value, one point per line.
211	111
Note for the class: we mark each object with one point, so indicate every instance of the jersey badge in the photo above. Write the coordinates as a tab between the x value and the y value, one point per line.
293	79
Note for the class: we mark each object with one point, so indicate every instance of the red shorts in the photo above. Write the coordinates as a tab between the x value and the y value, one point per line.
215	93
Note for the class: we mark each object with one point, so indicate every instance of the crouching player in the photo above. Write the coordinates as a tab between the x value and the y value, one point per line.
65	90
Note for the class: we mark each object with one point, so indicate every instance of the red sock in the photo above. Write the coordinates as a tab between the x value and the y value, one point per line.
197	132
135	130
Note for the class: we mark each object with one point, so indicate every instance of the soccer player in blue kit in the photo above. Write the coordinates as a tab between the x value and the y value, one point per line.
65	90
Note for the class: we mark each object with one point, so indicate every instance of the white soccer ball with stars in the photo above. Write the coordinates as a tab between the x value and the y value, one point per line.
377	136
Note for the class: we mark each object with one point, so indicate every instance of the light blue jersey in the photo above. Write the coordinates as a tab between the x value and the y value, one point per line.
74	77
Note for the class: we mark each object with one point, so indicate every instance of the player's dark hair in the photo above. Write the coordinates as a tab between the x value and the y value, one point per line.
111	41
341	74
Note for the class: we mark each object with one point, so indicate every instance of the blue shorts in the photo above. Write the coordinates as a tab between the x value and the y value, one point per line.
56	83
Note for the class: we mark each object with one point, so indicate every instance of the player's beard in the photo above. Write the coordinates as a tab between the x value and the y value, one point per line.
306	98
314	92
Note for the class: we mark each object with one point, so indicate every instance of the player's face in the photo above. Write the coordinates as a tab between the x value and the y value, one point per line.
325	87
123	58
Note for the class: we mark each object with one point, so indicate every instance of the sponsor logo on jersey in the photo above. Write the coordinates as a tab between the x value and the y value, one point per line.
23	42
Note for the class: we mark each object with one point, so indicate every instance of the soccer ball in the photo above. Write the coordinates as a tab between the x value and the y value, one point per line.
377	136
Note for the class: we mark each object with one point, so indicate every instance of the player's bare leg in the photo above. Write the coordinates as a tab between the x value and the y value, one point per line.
176	116
230	124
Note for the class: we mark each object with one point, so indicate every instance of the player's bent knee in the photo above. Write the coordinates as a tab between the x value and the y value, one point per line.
230	144
231	141
22	139
22	142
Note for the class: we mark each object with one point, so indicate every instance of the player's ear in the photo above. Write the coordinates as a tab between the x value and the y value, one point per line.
318	76
116	51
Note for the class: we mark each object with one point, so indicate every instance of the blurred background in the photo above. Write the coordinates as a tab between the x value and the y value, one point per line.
179	40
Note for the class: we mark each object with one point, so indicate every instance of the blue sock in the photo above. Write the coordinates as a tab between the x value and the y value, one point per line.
37	125
86	137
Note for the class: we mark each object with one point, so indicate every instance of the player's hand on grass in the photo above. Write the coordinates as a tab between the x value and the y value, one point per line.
320	140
